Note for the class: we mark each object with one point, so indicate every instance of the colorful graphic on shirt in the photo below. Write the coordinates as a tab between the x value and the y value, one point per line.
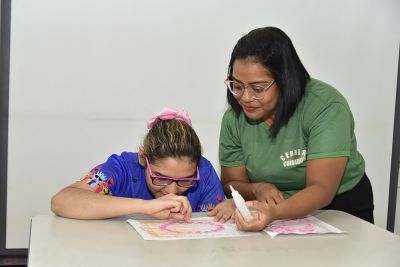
209	206
293	157
98	181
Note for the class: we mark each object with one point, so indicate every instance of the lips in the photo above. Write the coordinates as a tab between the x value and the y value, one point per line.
249	109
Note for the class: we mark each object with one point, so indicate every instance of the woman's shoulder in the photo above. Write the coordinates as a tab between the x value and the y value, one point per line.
319	92
229	115
322	100
231	118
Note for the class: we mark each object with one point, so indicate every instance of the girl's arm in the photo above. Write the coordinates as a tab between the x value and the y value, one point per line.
79	202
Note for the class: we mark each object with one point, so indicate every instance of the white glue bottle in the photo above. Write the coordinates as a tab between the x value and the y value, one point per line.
241	205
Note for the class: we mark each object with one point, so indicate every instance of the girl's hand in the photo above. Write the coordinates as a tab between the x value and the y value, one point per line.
223	211
269	193
263	215
170	206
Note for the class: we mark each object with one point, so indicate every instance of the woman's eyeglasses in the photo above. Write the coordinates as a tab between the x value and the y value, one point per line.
257	89
164	180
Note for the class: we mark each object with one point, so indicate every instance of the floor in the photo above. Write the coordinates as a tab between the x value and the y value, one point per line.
13	261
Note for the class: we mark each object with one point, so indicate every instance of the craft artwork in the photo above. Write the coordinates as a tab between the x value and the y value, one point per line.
188	228
203	227
306	225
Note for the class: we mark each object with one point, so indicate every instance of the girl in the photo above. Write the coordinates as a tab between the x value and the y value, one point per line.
166	178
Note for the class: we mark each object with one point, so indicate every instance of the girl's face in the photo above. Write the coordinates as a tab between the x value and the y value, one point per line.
182	167
246	72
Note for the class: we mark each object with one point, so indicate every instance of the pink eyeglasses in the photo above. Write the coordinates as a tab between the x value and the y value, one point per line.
164	180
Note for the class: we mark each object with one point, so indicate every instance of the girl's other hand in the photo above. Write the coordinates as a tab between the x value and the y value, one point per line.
223	211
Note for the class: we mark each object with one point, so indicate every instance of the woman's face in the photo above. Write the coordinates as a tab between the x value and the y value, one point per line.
182	167
246	72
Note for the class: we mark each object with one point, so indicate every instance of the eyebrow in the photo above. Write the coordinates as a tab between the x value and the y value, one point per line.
250	82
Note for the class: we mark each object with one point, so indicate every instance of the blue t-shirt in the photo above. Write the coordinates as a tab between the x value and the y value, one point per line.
123	176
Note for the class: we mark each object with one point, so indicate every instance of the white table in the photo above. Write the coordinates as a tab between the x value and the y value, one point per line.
56	241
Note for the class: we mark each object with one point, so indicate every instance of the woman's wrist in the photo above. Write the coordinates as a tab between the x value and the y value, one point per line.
275	212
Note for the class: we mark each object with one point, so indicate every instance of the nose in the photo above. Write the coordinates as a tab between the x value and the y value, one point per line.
247	96
172	188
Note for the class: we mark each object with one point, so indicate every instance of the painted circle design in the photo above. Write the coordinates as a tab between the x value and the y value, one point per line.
292	226
195	227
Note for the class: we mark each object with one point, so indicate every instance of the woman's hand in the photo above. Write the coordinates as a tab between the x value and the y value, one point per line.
170	206
223	211
268	193
263	215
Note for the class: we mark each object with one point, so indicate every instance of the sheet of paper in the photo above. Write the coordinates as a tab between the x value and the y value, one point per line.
306	225
202	227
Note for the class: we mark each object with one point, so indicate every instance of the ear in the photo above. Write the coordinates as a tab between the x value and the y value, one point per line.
142	157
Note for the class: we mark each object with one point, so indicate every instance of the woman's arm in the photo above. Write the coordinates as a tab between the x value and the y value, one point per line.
239	179
323	178
79	202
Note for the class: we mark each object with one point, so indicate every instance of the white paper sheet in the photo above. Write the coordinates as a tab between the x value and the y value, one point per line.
201	227
306	225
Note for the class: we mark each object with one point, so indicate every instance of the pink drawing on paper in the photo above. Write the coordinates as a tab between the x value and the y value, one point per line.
304	226
199	227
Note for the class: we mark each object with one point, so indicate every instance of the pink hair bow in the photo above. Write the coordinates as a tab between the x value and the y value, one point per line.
169	114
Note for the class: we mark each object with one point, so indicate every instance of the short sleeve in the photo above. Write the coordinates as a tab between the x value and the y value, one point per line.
230	148
212	192
329	132
104	177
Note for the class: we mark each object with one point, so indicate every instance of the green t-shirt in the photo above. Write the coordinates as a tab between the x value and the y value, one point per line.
321	127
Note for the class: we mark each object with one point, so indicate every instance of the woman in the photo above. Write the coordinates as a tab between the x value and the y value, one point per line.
287	140
167	178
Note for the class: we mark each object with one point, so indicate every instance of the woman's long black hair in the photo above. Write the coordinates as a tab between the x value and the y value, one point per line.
272	48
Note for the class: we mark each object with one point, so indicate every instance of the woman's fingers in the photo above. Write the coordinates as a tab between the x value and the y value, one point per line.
275	198
254	225
268	193
261	217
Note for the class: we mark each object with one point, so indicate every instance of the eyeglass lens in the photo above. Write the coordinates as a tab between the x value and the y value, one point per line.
164	182
257	90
